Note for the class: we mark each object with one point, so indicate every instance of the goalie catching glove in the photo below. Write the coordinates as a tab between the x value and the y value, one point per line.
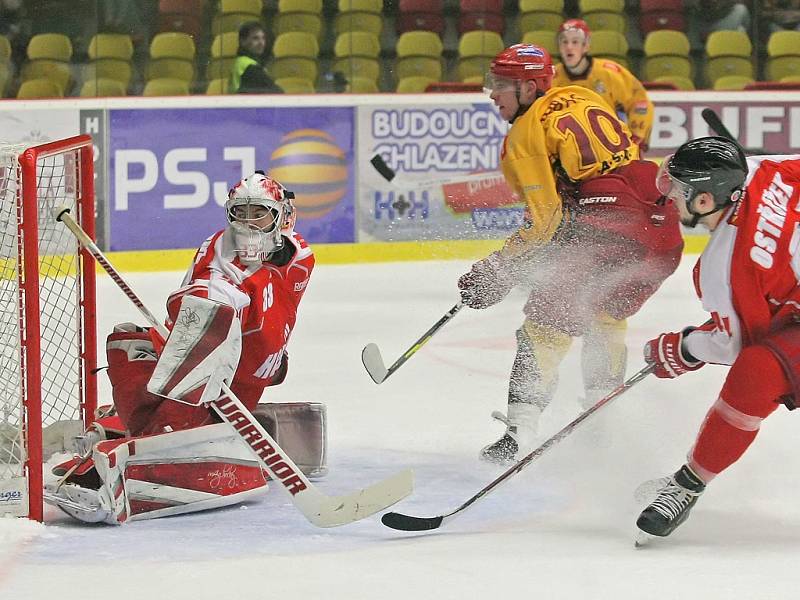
487	283
666	352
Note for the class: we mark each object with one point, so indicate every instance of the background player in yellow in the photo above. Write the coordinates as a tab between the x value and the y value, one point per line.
618	86
597	239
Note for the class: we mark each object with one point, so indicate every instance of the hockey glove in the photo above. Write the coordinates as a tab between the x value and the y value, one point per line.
487	283
666	352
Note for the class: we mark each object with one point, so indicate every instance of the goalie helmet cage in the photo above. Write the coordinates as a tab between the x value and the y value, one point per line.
48	342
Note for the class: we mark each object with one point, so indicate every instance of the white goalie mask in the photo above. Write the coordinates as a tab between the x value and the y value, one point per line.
260	212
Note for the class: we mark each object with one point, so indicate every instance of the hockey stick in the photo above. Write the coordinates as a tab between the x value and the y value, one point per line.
319	509
391	176
717	126
373	361
409	523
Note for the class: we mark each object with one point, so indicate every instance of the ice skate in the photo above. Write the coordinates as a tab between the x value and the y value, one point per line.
672	505
521	427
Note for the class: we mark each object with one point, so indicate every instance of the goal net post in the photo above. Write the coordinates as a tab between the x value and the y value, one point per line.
48	340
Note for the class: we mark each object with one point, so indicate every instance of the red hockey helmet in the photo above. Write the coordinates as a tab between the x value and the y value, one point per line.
522	62
575	25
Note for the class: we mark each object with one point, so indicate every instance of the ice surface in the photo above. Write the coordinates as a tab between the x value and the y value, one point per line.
563	528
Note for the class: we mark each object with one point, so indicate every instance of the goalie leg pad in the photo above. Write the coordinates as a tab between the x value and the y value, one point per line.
300	429
162	475
201	353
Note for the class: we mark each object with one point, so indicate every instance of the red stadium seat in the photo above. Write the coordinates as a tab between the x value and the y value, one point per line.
661	14
421	15
185	16
478	15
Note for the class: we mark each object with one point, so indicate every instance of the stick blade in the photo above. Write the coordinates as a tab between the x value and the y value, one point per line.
381	167
341	510
403	522
373	363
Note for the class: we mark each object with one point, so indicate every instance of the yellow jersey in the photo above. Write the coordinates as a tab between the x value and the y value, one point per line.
619	88
570	130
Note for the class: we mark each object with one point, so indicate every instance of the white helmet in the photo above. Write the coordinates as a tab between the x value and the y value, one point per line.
255	236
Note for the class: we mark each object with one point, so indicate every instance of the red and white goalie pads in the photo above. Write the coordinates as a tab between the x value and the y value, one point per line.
161	475
201	353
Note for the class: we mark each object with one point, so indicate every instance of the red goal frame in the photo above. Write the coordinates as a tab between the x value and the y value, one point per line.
28	279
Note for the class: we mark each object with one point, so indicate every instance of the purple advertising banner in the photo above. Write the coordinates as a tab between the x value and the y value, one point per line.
170	170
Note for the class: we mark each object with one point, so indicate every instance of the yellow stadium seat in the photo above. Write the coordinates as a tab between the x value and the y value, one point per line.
783	55
362	85
475	51
48	58
728	53
611	45
218	86
359	15
544	38
419	54
111	68
57	72
252	7
39	88
231	23
225	44
732	82
171	57
166	87
414	85
102	87
220	68
604	15
357	54
666	52
5	49
295	85
299	15
537	15
682	83
5	77
50	46
295	55
111	45
172	44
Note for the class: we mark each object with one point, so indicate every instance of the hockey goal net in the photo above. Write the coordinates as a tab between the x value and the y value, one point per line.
47	310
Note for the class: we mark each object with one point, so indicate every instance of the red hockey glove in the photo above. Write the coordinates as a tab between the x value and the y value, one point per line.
487	283
669	357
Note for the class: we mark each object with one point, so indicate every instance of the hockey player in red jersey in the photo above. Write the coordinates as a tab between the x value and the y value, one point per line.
747	279
157	456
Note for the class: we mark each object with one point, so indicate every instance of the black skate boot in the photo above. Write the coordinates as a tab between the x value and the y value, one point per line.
521	426
672	505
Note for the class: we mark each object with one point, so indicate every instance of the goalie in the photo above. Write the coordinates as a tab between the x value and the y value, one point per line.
163	452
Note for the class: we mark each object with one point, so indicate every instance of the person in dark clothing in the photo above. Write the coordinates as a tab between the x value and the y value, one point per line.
248	75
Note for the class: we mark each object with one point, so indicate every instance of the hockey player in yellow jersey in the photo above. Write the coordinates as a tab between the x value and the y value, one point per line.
618	86
597	239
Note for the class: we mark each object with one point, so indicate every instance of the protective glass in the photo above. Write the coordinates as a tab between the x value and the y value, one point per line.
494	83
670	187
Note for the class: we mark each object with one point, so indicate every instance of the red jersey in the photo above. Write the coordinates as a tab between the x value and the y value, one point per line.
265	296
747	277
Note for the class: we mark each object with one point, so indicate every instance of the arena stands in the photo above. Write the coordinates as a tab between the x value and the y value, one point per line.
190	46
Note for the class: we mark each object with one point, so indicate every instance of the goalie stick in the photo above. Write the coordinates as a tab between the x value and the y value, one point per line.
318	508
373	361
409	523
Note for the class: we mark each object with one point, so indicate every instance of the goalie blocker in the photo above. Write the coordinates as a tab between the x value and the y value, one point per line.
155	472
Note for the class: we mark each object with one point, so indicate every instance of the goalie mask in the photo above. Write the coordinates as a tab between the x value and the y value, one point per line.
260	212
